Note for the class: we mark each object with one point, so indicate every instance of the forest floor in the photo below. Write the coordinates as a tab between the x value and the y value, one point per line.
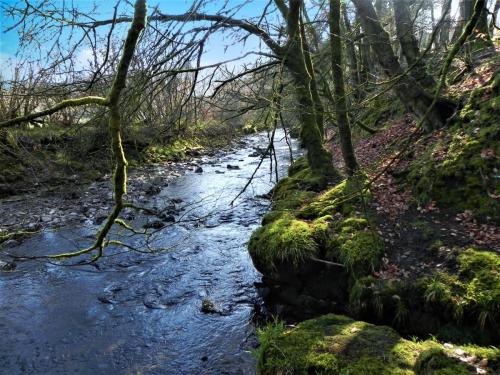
419	239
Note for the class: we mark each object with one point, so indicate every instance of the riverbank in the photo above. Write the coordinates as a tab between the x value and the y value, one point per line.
88	203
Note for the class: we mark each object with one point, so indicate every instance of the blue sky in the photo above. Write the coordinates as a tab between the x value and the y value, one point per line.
214	50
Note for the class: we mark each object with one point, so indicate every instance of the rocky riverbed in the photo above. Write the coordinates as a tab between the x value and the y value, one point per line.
186	309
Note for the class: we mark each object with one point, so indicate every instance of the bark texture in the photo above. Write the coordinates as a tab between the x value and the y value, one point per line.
339	90
409	44
408	90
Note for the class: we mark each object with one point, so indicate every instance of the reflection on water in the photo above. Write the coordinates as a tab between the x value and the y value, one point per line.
138	313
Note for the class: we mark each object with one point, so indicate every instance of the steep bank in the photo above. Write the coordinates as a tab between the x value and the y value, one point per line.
415	249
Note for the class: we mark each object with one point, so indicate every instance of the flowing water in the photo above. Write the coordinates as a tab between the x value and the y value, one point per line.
141	313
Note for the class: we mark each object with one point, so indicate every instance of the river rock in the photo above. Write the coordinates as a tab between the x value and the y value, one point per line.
156	224
7	266
198	170
208	307
229	166
152	189
46	218
167	218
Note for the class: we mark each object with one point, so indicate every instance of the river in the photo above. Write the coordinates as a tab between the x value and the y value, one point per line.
140	313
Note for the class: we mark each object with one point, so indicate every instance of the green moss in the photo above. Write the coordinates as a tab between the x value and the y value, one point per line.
351	224
436	361
474	293
339	199
283	241
382	108
338	345
459	170
292	199
361	251
176	151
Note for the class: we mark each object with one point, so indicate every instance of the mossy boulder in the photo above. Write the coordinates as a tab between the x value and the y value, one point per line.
361	251
305	235
282	243
337	345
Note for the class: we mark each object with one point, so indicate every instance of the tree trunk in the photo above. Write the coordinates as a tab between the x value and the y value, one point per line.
296	61
409	44
365	61
444	32
408	90
494	18
339	90
480	38
351	55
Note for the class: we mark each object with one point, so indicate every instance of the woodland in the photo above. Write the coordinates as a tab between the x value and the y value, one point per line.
347	153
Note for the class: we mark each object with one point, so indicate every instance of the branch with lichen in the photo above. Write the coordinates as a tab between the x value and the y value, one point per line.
78	102
112	101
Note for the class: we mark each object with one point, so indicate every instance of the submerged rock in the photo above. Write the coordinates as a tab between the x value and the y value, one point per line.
209	307
155	224
7	266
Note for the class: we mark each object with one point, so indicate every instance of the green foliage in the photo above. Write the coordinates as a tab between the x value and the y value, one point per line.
459	171
176	151
475	292
361	251
283	241
337	345
339	199
254	125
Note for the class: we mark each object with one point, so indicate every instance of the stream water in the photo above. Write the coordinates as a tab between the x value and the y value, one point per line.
141	313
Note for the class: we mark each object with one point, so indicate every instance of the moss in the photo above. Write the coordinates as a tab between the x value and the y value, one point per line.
176	151
339	199
338	345
435	361
283	241
383	107
361	251
353	223
374	297
292	199
474	293
298	165
459	171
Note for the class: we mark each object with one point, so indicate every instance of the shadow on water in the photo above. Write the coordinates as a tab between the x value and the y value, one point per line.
138	313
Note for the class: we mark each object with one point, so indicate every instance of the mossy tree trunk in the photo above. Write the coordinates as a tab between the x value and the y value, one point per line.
112	101
339	90
409	43
480	38
408	90
297	60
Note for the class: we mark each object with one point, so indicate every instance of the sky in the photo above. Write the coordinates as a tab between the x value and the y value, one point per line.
216	49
